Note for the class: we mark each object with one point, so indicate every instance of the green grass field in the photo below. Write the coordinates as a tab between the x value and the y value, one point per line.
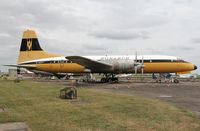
40	107
198	76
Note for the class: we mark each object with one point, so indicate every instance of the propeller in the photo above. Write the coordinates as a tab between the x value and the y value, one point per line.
136	58
135	63
142	65
135	70
139	65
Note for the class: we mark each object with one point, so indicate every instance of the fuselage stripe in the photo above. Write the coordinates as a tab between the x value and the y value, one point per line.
68	61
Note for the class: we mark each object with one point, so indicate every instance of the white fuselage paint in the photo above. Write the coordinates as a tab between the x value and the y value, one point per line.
112	58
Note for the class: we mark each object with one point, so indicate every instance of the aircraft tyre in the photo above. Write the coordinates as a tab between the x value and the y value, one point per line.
110	80
103	80
176	81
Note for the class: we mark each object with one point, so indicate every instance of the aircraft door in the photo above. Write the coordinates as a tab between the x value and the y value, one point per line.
62	63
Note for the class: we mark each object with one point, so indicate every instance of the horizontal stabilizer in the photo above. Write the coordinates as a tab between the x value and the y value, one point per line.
89	63
23	66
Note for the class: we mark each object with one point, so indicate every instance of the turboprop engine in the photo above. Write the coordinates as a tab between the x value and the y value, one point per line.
124	66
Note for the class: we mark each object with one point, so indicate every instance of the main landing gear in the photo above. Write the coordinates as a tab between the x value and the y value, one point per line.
165	77
110	78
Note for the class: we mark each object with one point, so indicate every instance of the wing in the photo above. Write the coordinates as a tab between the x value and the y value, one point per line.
23	66
93	65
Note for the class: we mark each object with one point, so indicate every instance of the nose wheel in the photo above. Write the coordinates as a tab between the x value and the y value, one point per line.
103	80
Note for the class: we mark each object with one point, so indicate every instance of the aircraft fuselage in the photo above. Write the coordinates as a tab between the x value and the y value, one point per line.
153	64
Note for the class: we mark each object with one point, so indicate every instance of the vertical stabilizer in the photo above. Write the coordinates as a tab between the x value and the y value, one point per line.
30	48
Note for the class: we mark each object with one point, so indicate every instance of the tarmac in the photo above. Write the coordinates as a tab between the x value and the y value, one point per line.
184	94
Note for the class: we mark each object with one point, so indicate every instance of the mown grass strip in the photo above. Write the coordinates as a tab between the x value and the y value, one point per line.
38	105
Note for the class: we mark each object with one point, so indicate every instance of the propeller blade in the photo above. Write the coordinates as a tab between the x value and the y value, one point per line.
142	60
135	70
135	63
136	57
142	65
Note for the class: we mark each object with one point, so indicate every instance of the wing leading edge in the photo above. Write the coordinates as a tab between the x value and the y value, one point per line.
90	64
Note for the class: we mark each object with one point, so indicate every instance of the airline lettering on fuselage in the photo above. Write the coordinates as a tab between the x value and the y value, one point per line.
115	58
29	44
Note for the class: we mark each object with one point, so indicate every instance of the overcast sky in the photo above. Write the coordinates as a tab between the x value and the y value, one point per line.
100	27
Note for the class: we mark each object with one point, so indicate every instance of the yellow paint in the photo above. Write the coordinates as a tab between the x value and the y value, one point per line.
29	34
33	55
172	67
29	44
61	67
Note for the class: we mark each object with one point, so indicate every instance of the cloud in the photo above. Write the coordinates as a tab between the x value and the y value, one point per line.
98	27
93	47
120	35
196	40
4	35
182	48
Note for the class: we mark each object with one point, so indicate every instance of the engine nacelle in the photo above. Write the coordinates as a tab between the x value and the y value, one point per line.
124	66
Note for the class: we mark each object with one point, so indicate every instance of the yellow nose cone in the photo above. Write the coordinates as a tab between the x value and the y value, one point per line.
190	67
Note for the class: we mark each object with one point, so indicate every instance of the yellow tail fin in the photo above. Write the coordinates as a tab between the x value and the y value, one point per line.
30	48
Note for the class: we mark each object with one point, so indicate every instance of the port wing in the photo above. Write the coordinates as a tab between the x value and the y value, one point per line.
93	65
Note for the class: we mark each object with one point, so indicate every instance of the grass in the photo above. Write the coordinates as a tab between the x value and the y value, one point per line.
198	76
38	105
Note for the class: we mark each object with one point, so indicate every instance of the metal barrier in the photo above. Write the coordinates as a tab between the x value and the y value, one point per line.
68	93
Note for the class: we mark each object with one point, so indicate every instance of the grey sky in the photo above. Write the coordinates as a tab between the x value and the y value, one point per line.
99	27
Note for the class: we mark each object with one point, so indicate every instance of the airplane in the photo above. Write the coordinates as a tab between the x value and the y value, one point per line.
34	58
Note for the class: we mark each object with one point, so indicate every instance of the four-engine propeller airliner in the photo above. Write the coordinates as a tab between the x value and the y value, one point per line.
33	58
